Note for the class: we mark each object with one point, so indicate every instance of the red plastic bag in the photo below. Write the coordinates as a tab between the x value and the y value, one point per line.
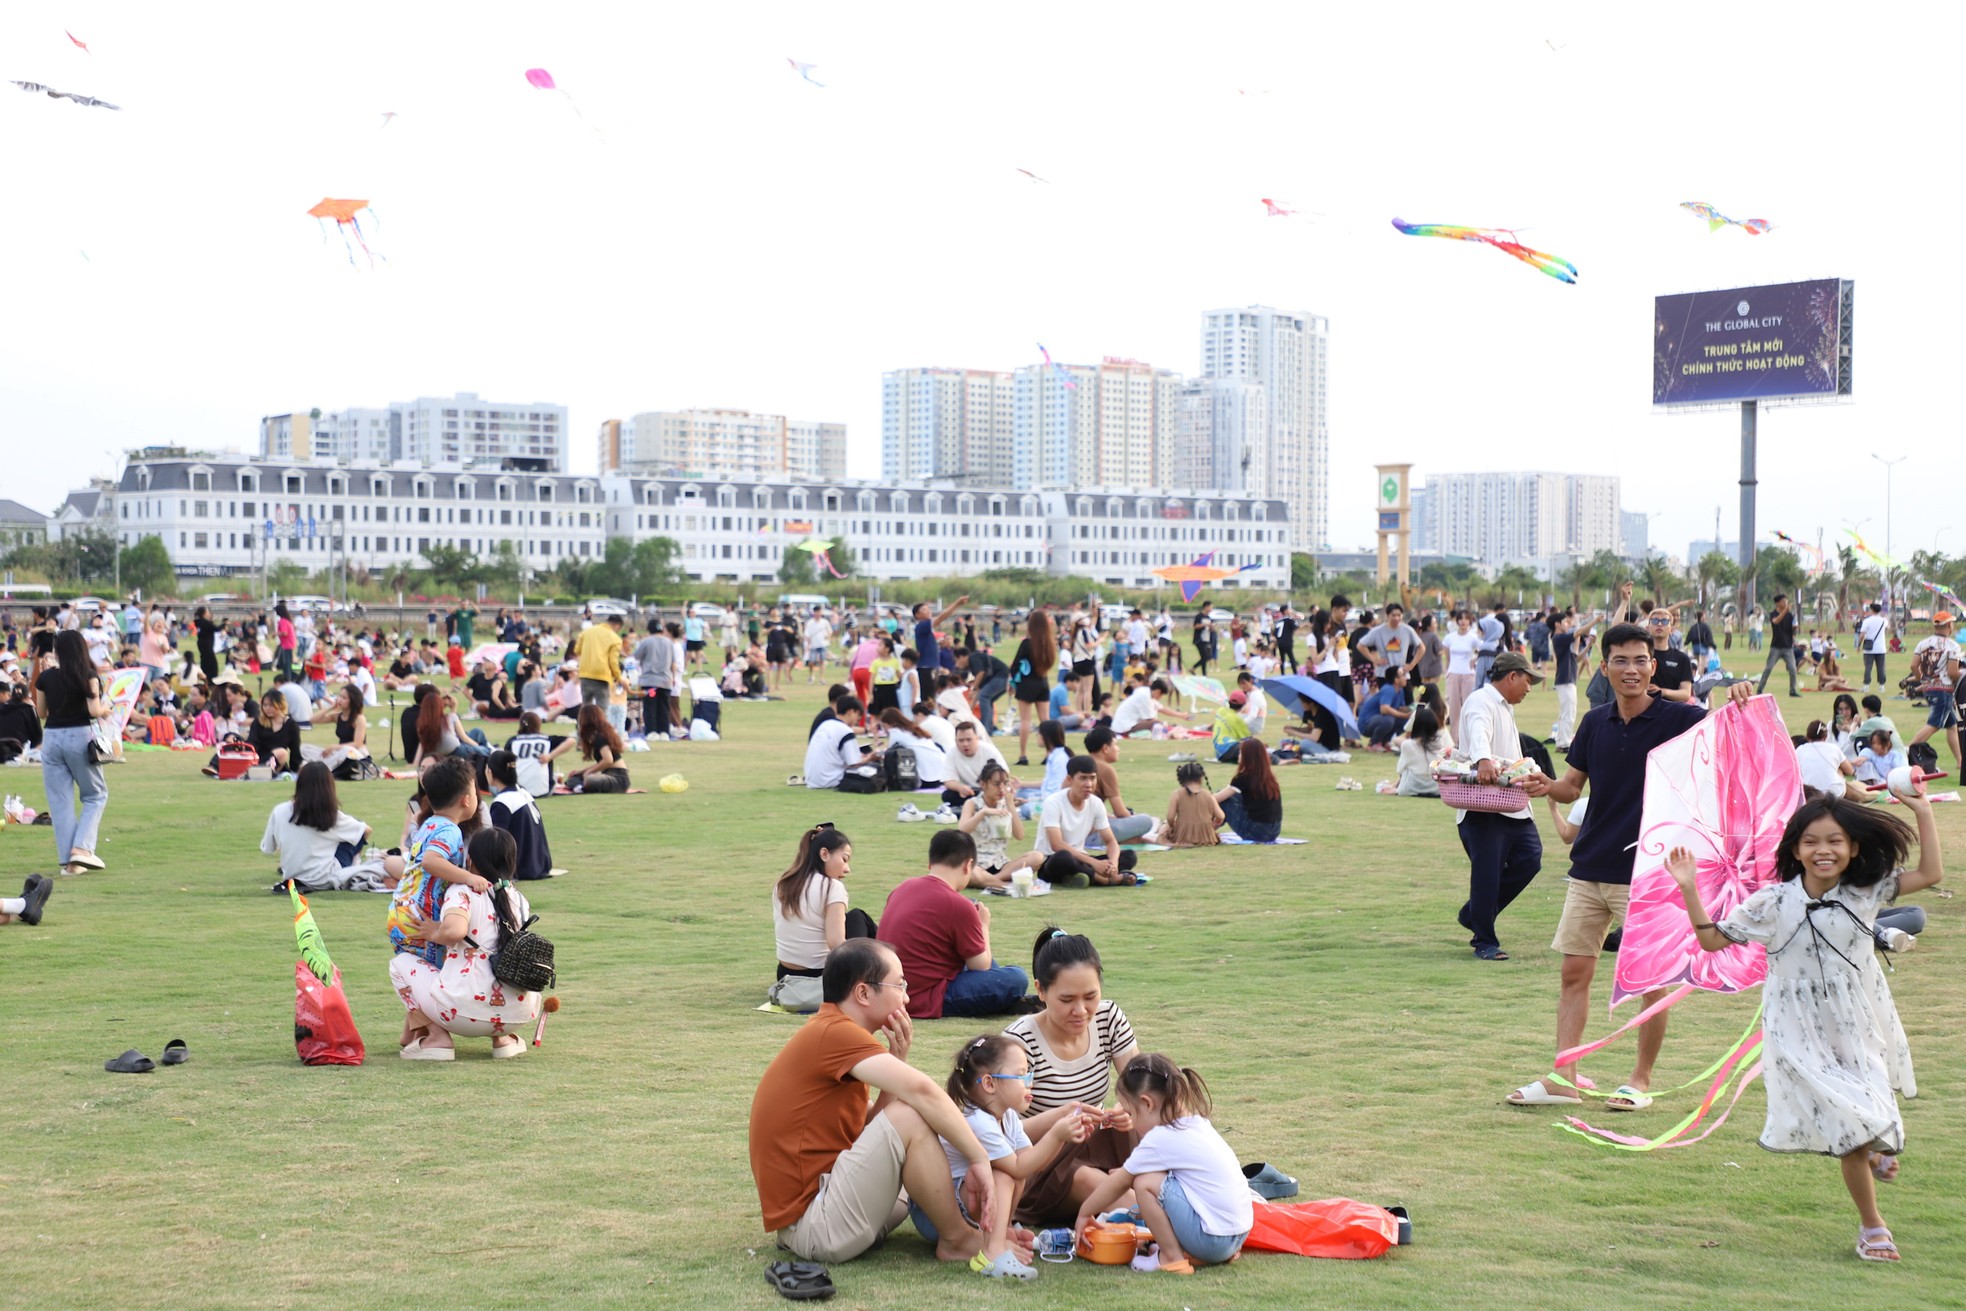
324	1030
1335	1227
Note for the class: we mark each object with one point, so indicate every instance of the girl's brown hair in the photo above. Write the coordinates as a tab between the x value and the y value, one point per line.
595	732
1253	771
978	1057
1041	644
791	887
1180	1089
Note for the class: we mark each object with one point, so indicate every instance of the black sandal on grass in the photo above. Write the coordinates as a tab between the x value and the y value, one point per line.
801	1281
130	1062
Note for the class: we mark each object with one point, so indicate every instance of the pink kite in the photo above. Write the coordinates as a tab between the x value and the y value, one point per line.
83	45
1057	368
542	79
1723	790
1276	210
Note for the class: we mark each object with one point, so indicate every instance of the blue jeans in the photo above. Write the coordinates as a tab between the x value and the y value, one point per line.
1237	818
1504	855
1127	828
1380	729
976	993
1943	713
1198	1243
65	770
987	696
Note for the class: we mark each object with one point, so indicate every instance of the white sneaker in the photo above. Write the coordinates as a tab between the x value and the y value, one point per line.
1897	940
945	815
908	814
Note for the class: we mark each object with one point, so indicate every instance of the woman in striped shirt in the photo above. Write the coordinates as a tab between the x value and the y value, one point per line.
1074	1045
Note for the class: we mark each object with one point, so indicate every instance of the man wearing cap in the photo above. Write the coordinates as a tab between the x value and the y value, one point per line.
1937	657
1608	754
599	651
1505	852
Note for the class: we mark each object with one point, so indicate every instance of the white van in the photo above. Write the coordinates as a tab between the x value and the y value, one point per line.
804	600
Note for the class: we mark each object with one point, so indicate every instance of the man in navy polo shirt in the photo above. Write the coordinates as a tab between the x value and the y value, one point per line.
1609	754
928	653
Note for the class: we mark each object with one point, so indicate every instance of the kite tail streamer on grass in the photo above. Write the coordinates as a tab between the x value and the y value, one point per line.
1748	1051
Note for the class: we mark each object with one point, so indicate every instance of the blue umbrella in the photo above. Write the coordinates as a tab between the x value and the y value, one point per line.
1295	693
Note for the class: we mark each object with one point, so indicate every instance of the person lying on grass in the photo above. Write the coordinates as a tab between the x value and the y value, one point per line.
991	1085
460	997
830	1165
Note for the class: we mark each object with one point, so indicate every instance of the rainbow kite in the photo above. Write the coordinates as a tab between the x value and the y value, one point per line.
1945	594
821	549
1717	220
1193	575
1501	239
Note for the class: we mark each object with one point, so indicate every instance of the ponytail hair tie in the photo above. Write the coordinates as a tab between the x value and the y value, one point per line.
1058	933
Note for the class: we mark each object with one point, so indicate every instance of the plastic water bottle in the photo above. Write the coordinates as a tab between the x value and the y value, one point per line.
1054	1244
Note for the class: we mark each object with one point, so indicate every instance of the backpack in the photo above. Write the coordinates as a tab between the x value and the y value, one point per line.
1923	756
898	770
524	959
863	779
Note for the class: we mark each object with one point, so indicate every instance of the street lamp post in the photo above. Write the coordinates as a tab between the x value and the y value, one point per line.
1887	494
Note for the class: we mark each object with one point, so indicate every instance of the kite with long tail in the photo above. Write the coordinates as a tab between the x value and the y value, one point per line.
1057	368
1724	790
1717	220
1196	574
1821	565
1501	239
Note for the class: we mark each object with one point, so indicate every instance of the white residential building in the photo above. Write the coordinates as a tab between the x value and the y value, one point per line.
227	514
947	423
460	429
1221	437
1080	425
1520	518
1287	352
739	529
712	442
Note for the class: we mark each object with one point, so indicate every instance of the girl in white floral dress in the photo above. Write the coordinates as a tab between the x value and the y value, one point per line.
461	998
1833	1051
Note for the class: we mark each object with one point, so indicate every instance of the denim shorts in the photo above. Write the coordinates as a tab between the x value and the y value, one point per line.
925	1226
1944	712
1210	1249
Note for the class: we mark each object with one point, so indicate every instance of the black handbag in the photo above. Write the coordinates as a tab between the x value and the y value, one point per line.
524	959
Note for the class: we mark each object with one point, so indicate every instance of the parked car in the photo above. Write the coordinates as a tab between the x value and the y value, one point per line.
1221	616
805	600
606	607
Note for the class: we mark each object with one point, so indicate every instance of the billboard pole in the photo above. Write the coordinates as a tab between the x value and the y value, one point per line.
1749	415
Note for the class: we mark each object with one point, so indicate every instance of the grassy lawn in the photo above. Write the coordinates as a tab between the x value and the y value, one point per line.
1324	990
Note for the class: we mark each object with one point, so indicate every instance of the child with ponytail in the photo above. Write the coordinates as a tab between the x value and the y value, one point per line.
1185	1179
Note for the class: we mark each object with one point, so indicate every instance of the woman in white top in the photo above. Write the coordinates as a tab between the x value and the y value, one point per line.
913	736
320	845
1425	741
1462	646
808	904
1824	767
938	727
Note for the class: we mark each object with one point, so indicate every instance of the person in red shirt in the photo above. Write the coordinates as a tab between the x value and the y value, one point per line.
829	1165
943	938
455	660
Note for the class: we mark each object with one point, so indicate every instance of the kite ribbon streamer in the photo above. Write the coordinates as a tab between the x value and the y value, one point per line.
307	937
1659	1007
1748	1049
1578	1053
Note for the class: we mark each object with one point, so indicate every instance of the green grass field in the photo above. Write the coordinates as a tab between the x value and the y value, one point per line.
1324	990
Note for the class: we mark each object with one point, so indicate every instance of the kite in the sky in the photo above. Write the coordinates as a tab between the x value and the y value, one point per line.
1193	575
1276	210
542	79
1945	594
387	114
307	936
67	95
1820	564
344	212
1877	558
1501	239
1034	177
82	44
1724	790
821	549
805	71
1057	368
1717	220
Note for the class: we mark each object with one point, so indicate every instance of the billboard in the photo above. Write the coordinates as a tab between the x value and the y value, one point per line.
1791	339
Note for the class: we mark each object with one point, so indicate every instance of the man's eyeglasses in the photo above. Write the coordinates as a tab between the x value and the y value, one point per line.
893	983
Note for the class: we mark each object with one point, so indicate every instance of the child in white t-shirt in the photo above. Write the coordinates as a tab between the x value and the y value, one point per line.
1185	1179
992	1085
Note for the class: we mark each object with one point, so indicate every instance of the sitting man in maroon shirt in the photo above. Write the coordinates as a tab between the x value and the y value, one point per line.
943	939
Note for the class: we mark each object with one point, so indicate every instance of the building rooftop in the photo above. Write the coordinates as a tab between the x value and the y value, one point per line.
15	512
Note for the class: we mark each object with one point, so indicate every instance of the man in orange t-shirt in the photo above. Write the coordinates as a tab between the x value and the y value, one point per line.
829	1166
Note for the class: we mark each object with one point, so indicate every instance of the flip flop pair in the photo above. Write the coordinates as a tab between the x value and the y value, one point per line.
1268	1182
135	1062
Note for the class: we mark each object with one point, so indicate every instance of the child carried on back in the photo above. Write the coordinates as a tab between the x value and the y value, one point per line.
436	857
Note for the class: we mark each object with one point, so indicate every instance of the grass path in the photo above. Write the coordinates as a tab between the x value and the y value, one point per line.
1322	989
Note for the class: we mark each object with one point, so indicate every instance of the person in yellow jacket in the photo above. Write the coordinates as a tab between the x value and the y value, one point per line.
598	648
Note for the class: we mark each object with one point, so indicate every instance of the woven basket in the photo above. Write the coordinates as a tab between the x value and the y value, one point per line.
1491	798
